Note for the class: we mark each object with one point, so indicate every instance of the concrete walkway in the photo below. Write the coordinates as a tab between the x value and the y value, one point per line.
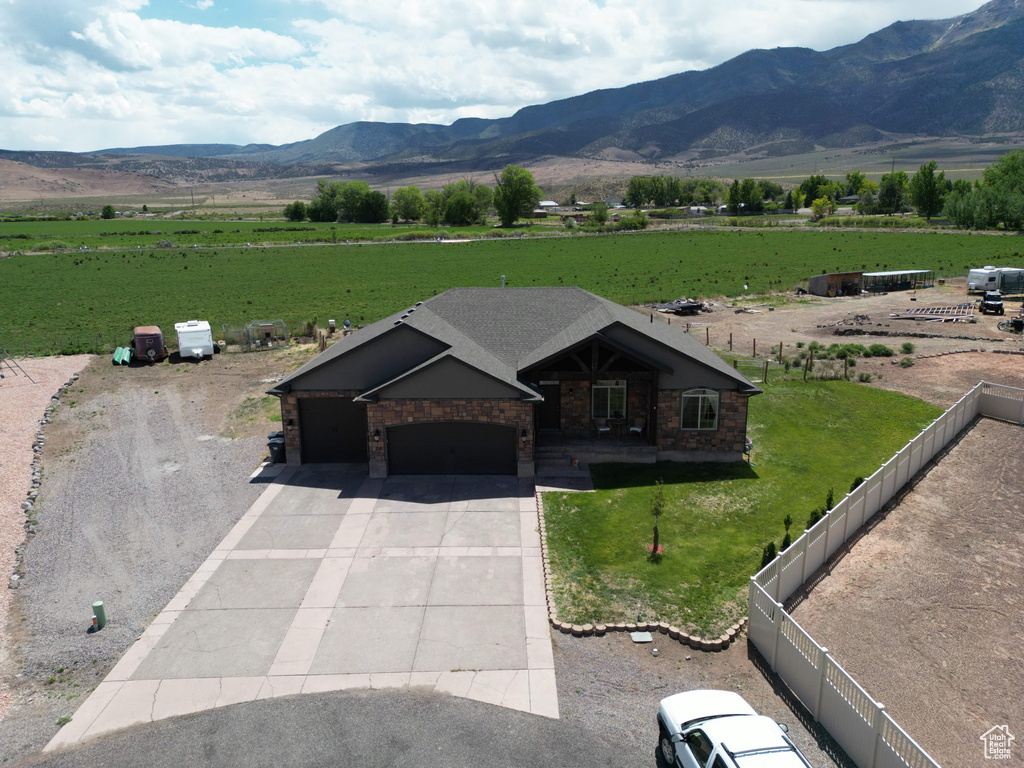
334	581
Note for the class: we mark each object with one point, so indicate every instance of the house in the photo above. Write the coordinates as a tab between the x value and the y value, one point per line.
471	380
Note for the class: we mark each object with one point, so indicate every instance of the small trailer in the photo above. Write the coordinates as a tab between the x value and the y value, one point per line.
194	339
147	344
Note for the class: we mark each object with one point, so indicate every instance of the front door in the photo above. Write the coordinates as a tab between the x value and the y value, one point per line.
549	412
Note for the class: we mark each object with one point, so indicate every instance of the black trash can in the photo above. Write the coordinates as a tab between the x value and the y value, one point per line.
276	447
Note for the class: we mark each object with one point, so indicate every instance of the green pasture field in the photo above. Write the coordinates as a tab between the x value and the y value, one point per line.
87	299
110	234
808	437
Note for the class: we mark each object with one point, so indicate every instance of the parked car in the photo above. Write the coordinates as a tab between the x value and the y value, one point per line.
718	729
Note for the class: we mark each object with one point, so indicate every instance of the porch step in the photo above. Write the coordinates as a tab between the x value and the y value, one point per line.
559	457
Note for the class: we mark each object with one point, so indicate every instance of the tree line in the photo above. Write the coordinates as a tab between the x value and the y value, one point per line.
460	203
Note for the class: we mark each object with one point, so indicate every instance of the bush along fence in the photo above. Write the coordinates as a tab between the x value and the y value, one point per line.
861	725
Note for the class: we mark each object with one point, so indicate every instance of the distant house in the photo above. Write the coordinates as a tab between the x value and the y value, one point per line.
548	204
471	381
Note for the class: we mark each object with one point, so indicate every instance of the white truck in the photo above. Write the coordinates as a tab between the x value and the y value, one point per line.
1005	279
194	339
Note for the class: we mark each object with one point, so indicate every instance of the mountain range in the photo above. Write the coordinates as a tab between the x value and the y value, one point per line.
956	77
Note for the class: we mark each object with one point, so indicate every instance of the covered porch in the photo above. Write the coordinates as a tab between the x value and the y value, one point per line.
599	405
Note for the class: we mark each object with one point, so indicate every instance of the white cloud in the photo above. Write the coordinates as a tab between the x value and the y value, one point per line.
123	72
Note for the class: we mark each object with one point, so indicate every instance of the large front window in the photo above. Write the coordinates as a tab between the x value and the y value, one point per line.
609	399
700	409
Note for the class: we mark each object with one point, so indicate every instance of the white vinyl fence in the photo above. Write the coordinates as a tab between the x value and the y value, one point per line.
863	729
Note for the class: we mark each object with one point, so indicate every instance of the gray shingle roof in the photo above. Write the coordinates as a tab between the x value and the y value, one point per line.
503	331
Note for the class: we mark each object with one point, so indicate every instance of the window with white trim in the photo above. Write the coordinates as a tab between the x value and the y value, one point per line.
609	399
699	409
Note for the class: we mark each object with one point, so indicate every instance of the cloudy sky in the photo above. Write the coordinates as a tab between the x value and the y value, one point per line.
81	75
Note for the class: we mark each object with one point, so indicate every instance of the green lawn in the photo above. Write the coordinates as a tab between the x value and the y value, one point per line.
808	437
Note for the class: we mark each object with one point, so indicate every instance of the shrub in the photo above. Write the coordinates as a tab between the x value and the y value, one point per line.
864	378
879	350
907	348
906	362
814	517
830	499
857	481
767	554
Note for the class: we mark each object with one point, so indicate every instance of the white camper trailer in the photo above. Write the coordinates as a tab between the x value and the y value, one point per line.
194	339
1006	279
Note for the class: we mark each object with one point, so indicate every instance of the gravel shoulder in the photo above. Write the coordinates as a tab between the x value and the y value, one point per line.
144	470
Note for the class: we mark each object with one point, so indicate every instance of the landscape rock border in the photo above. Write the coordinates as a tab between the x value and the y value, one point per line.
28	505
695	642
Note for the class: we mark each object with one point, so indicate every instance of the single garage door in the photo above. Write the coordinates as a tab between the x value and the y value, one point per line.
452	447
333	430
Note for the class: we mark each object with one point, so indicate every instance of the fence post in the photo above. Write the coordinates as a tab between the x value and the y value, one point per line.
822	678
803	565
879	720
707	336
755	347
828	531
780	353
730	341
764	379
779	617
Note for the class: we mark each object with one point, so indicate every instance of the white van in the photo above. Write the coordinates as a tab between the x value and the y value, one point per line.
194	339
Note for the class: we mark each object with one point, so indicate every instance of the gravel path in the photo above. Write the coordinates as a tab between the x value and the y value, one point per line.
26	389
138	486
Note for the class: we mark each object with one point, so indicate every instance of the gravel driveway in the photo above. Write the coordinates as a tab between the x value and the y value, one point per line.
144	470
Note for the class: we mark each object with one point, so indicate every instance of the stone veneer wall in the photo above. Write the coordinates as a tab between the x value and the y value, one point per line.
386	413
290	413
576	408
732	424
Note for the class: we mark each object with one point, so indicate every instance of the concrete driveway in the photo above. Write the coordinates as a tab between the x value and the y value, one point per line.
334	581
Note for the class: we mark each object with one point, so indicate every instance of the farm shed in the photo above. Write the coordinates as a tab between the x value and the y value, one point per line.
835	284
466	382
898	280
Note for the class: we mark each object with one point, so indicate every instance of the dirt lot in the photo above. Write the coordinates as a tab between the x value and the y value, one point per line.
144	470
926	611
944	367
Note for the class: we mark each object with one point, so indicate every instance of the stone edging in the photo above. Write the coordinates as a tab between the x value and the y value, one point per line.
28	505
588	630
967	352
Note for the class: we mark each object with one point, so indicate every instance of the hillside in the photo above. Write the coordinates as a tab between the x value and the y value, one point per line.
961	77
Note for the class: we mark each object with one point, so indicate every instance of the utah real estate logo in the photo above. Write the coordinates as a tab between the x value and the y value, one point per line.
997	742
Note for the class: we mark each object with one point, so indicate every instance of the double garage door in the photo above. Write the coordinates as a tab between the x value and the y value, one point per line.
452	447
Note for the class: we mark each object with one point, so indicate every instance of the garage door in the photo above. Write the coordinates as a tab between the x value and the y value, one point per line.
333	430
452	447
